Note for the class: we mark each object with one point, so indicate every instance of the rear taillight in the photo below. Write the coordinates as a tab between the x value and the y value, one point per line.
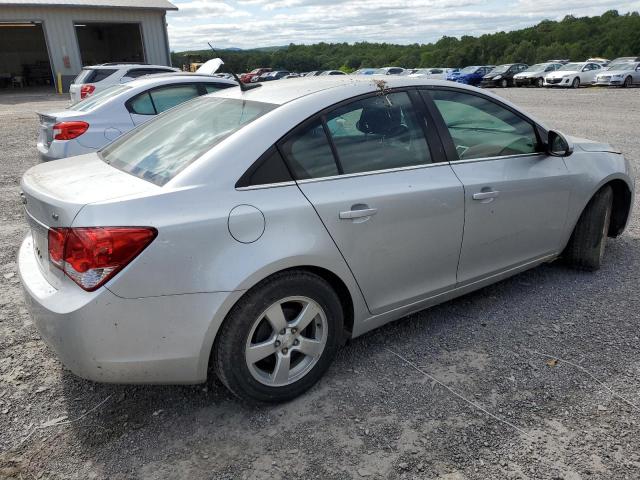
90	256
69	130
86	90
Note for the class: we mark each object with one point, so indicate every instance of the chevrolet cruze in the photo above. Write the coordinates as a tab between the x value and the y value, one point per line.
250	233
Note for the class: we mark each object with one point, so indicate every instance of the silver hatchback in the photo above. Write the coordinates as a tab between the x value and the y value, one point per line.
253	232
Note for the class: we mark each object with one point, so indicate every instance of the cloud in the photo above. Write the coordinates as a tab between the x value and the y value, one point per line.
258	23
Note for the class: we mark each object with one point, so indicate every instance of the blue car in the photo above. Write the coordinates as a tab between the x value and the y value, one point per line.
473	75
453	74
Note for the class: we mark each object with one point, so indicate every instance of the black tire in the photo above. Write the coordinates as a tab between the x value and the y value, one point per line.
540	82
587	244
627	82
228	357
504	83
575	83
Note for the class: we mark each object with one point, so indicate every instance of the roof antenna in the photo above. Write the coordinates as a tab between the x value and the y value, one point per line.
243	86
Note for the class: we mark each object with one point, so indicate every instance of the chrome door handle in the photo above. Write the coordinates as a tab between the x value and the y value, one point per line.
365	212
485	195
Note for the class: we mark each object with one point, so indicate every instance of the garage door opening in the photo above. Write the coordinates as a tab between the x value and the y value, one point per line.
24	59
109	42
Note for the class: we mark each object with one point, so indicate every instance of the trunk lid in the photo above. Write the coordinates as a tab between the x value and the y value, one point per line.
54	192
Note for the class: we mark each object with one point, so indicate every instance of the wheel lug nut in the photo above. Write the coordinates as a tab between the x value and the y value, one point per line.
277	343
283	331
296	342
285	350
294	330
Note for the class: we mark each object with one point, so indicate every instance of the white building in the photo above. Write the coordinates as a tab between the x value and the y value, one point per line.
43	41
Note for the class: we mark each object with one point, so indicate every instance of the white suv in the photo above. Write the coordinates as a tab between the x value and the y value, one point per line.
97	77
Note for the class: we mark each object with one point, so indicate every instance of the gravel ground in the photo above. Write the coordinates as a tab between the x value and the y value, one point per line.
373	415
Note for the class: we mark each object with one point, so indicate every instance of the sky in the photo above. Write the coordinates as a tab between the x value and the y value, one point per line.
263	23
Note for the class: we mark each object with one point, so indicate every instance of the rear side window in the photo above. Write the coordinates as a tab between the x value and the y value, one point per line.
169	97
142	105
269	169
158	150
93	75
378	133
214	87
158	100
308	152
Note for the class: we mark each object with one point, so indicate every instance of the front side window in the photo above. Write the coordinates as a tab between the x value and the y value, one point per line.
481	128
378	133
158	150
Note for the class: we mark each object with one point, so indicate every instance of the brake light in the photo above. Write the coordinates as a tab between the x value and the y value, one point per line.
69	130
86	90
90	256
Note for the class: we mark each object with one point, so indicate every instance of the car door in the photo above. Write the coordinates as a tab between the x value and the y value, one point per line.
391	203
149	103
516	198
588	73
636	74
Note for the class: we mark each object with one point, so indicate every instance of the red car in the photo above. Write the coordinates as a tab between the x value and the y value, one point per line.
246	77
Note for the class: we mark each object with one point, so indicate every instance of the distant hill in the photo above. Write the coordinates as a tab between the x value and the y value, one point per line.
609	35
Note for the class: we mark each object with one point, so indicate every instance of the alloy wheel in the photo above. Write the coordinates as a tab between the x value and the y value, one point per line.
286	341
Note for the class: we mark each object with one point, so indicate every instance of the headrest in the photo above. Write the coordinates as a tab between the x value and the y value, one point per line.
380	119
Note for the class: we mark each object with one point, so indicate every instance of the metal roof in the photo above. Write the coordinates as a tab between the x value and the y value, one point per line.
147	4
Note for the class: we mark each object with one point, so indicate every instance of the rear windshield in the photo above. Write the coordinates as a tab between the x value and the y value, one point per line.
99	98
161	148
92	75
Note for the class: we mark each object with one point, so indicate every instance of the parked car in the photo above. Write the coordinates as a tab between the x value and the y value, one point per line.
364	71
573	75
98	77
245	230
534	75
563	61
431	73
603	62
453	74
275	75
332	72
256	72
389	71
473	75
94	122
625	60
502	75
620	75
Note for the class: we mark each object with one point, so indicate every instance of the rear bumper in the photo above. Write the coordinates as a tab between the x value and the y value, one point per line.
102	337
61	149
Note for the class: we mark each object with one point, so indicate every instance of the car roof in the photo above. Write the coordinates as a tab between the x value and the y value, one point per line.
164	78
117	66
284	91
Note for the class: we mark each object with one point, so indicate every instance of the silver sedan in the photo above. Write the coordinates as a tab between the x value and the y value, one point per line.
97	120
250	233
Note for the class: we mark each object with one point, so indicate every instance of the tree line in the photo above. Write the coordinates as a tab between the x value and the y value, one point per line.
609	35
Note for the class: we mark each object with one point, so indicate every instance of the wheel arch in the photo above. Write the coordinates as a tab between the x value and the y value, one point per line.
621	208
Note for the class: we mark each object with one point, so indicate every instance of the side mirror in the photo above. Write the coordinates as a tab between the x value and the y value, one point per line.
558	145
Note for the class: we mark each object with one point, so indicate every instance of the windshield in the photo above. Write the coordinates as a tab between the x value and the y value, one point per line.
161	148
538	67
500	69
622	66
99	98
574	67
467	70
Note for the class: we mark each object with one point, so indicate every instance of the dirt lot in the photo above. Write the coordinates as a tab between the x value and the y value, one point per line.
373	415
